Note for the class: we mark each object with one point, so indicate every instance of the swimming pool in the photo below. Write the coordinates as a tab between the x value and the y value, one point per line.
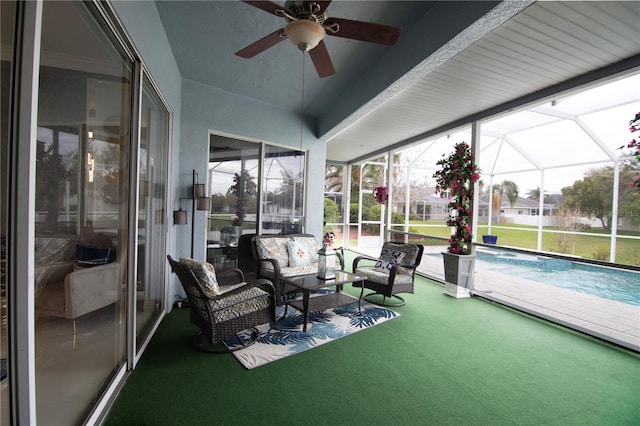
608	283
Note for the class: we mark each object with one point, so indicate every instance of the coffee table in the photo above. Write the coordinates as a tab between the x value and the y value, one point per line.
306	283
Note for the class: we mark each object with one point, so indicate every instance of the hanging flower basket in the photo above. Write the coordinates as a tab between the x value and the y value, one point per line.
380	193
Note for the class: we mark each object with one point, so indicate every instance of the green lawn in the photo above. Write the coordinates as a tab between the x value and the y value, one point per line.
523	236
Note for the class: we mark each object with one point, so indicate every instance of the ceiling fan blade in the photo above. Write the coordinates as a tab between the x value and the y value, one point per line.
323	6
268	6
261	45
364	31
321	60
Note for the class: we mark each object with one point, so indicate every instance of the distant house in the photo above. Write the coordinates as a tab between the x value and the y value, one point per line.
523	212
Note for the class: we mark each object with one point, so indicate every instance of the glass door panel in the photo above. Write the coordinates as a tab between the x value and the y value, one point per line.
234	167
8	15
153	167
82	163
283	190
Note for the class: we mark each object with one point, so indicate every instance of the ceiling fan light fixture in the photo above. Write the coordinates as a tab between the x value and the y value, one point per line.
304	34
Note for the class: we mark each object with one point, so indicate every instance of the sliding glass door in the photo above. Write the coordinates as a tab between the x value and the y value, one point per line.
8	16
255	188
283	190
152	223
82	212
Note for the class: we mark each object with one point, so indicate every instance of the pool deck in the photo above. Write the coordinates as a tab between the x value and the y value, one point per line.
609	320
606	319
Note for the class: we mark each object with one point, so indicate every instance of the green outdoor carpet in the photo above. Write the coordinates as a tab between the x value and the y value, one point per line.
443	361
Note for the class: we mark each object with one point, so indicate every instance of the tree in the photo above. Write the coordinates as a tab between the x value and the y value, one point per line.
508	188
634	126
331	211
593	194
534	194
291	190
218	203
567	219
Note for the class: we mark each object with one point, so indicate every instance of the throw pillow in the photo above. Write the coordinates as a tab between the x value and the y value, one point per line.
388	258
273	248
205	273
312	247
298	254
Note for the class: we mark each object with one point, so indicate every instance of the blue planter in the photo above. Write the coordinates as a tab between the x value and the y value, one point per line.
490	239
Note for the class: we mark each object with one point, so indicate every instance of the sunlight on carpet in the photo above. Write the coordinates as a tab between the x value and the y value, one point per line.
285	337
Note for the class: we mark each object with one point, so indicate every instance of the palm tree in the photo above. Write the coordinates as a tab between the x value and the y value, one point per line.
333	178
534	194
511	189
508	188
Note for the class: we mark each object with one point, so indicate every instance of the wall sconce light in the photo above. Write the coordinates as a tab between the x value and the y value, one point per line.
180	216
198	202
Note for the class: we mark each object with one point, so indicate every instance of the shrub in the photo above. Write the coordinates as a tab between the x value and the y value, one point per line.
601	253
331	211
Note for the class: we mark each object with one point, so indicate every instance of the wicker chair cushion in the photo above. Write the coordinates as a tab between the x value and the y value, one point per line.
239	304
312	246
290	271
227	288
381	276
388	258
273	248
205	274
403	254
298	253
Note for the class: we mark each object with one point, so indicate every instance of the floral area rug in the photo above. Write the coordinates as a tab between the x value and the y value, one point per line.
285	337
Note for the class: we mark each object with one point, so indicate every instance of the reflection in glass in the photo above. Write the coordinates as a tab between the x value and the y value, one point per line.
236	178
153	167
81	206
234	167
8	15
334	186
283	190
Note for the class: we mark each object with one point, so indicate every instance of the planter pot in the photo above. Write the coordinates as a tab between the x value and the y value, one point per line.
490	239
459	272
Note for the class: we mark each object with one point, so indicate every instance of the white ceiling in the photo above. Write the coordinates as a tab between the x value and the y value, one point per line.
454	60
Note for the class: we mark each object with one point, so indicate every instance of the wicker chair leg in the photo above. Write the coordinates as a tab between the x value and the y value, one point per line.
400	299
202	343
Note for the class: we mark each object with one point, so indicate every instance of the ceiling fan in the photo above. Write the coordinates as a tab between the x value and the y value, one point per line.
307	24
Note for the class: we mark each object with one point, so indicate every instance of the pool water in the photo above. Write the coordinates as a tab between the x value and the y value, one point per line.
608	283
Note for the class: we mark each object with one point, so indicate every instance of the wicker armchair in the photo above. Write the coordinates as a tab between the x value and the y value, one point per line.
237	307
391	273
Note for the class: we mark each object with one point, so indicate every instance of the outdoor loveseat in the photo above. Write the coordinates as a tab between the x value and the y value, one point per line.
280	256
